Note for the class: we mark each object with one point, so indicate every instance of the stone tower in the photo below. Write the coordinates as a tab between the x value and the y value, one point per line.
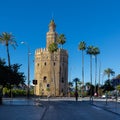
51	69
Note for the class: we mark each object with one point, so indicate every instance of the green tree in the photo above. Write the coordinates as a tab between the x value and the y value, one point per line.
96	51
90	52
82	47
8	39
118	88
107	87
3	77
61	39
80	88
17	77
70	86
53	47
76	80
109	72
88	84
118	76
90	88
10	76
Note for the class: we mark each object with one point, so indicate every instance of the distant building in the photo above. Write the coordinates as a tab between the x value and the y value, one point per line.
51	70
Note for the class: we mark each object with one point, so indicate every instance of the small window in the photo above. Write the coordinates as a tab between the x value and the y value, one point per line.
38	64
44	78
45	63
48	85
54	63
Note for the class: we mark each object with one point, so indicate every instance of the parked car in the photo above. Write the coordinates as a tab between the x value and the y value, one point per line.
103	96
118	98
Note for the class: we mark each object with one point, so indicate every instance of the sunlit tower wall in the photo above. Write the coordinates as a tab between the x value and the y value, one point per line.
51	69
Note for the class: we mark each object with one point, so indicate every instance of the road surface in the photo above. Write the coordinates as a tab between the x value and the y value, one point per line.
71	110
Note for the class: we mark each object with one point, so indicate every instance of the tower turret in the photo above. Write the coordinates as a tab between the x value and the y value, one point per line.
51	34
52	26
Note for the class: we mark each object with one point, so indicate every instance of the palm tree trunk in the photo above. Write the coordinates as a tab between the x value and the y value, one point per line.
99	79
91	69
95	73
8	55
91	77
82	73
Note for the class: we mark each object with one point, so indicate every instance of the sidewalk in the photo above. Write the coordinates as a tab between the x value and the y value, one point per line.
21	109
111	106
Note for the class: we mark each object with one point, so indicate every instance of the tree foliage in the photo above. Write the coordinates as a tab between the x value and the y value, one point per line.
76	80
118	87
61	39
82	46
8	39
109	72
107	86
10	75
52	47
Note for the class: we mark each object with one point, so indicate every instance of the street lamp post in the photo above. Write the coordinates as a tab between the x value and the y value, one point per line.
28	82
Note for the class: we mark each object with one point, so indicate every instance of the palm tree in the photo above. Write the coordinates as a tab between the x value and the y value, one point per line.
8	39
96	51
107	87
118	88
76	80
90	52
87	85
53	48
70	85
82	47
61	39
109	72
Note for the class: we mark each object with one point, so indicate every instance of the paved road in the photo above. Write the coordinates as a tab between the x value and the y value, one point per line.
17	112
68	110
55	109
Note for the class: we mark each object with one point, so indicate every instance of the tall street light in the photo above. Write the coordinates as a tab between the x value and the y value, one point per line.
28	82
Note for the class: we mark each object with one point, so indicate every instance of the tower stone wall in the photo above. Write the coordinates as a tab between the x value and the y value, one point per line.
51	69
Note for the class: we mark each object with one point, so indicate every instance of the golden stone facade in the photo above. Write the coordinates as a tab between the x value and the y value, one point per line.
51	69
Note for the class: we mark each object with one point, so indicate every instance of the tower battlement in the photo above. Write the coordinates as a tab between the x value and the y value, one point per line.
41	50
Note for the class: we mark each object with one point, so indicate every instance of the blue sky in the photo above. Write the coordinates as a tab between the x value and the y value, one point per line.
97	22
